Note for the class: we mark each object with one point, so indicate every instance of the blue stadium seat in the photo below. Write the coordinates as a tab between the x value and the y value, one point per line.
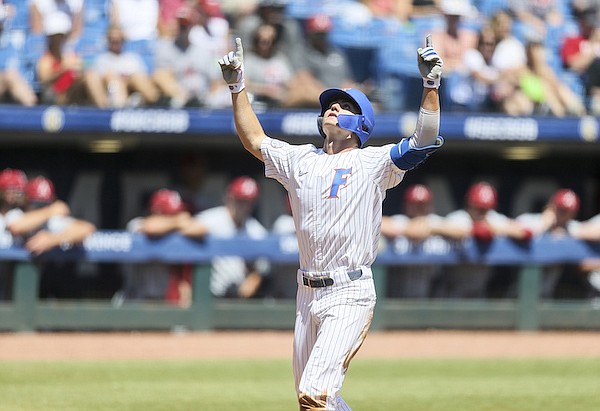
21	18
35	46
145	49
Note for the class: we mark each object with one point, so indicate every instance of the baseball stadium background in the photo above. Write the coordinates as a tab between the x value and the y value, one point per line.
94	353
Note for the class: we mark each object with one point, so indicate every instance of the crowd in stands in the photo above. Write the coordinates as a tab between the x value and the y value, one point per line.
508	56
39	221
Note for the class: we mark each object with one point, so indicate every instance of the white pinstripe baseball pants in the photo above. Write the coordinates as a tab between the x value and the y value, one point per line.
331	325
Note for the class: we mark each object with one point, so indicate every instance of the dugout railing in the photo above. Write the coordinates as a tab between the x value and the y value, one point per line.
527	312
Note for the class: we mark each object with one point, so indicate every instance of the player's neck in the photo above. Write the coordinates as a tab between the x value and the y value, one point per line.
333	146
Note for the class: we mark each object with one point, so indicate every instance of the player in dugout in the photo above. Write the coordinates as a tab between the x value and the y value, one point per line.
336	194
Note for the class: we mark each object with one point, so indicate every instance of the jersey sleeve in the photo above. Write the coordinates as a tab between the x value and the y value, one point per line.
378	161
280	157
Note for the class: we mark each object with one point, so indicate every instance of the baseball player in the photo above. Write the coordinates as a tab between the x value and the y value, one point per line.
336	194
418	225
557	220
480	220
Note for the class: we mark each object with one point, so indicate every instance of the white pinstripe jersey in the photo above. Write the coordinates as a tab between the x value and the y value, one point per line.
335	199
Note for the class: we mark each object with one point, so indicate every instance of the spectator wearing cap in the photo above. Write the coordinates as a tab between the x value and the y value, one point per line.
47	15
480	221
47	224
12	201
158	281
558	219
232	276
414	228
60	68
325	65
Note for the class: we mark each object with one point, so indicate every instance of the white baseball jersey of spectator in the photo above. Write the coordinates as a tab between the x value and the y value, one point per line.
228	271
192	69
467	280
125	64
551	273
216	39
509	54
138	18
6	267
412	281
144	281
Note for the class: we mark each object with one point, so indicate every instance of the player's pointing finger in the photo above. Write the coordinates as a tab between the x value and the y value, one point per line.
239	50
428	41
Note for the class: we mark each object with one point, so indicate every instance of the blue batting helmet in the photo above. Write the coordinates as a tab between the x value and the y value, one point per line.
361	124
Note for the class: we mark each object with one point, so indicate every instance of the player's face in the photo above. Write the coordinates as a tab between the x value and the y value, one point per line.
337	107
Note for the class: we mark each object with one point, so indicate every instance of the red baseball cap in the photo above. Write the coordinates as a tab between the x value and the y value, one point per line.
319	23
243	188
418	193
482	195
12	179
166	202
40	190
566	199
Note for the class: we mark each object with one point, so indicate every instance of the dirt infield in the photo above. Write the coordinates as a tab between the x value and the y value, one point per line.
405	344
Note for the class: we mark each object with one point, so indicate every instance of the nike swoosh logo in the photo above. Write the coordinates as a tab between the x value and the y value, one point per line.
302	173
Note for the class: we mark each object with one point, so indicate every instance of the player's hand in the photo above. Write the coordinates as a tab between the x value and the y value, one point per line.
430	64
232	68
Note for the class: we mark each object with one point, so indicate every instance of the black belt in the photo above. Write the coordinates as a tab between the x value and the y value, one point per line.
318	282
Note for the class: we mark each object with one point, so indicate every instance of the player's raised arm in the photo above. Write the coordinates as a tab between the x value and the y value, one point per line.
247	125
412	151
428	123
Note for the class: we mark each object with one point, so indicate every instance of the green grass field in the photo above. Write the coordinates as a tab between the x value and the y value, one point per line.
266	385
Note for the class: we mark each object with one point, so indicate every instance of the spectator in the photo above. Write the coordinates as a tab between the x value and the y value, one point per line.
118	78
231	276
581	54
510	60
45	14
167	20
269	73
212	30
60	70
272	12
326	65
452	41
12	201
418	225
556	220
12	83
477	87
482	222
589	230
45	225
183	69
156	280
559	98
139	20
